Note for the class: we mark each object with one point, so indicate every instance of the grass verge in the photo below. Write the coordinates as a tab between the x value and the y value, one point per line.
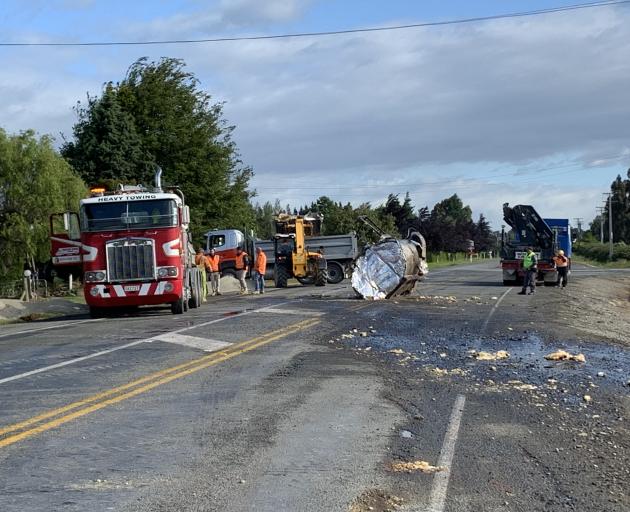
593	263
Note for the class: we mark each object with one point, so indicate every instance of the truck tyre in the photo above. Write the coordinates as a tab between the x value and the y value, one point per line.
280	276
322	277
195	290
177	307
306	280
335	272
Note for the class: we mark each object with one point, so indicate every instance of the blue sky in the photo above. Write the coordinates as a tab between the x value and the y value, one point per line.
529	110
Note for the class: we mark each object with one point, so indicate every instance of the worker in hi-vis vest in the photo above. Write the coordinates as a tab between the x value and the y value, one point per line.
260	267
530	265
200	261
241	264
214	269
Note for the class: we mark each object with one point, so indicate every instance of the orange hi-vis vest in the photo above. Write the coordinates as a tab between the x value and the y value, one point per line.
261	263
239	261
561	261
213	262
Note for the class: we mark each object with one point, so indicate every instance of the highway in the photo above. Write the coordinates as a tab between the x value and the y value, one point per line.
306	399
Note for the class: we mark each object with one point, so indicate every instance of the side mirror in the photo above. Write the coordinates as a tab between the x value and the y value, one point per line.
186	215
66	221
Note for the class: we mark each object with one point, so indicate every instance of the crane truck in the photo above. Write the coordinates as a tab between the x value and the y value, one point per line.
529	229
134	248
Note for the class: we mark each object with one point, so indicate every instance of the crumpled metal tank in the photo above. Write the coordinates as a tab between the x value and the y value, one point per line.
390	267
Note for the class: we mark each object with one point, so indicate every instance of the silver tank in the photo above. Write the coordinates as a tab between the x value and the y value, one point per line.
390	267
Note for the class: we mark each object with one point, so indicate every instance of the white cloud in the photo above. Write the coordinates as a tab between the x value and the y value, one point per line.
387	108
220	17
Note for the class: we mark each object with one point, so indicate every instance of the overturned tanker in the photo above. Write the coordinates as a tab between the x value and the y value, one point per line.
390	267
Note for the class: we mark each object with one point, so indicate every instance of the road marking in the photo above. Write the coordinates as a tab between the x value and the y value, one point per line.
121	347
274	309
139	386
193	341
58	326
441	479
493	310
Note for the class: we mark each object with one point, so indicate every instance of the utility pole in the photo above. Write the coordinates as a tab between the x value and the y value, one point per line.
610	226
578	221
601	211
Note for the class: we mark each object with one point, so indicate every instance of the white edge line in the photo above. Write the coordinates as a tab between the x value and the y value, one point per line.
59	326
441	479
121	347
493	310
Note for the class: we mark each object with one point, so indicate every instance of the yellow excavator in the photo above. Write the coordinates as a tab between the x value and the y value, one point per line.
293	257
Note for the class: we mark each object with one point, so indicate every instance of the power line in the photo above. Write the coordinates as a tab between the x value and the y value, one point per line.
460	21
439	184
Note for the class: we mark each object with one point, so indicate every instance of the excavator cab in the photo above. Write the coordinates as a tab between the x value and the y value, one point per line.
292	257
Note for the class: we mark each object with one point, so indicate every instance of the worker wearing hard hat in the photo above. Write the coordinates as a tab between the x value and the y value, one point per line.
562	267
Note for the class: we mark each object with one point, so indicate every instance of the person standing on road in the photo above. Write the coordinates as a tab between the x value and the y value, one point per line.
530	264
562	267
200	261
241	264
213	260
260	267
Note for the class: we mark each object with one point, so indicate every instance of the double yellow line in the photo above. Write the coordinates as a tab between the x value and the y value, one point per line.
51	419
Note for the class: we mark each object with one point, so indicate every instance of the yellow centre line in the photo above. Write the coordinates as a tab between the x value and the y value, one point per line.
112	396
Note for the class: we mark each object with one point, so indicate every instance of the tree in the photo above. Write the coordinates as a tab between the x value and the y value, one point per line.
107	146
450	225
483	236
264	220
620	190
34	182
180	129
403	214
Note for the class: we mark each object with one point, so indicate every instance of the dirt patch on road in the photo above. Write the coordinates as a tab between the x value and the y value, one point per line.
597	306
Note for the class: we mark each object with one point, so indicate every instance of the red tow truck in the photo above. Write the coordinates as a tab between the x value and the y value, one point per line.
134	249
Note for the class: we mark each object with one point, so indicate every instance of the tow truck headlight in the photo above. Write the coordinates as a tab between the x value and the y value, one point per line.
167	272
95	276
168	287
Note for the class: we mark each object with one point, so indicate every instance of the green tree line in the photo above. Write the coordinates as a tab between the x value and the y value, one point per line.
591	245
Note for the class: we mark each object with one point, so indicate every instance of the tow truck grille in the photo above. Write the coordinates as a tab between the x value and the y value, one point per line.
130	259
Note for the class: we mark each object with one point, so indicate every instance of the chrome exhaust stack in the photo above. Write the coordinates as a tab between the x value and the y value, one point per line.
158	179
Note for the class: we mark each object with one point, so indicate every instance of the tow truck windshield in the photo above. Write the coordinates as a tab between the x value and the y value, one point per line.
124	215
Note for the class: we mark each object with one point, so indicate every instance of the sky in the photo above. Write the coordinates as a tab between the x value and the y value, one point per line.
529	110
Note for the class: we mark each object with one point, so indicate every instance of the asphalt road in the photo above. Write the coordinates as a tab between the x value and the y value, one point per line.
306	399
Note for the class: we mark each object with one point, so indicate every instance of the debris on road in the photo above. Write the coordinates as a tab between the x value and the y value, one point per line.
563	355
376	500
418	465
587	398
397	351
490	356
390	267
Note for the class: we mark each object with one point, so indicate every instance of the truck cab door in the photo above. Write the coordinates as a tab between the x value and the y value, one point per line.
65	236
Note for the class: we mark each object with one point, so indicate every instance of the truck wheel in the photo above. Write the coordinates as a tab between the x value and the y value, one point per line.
335	272
280	276
177	307
195	291
322	277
